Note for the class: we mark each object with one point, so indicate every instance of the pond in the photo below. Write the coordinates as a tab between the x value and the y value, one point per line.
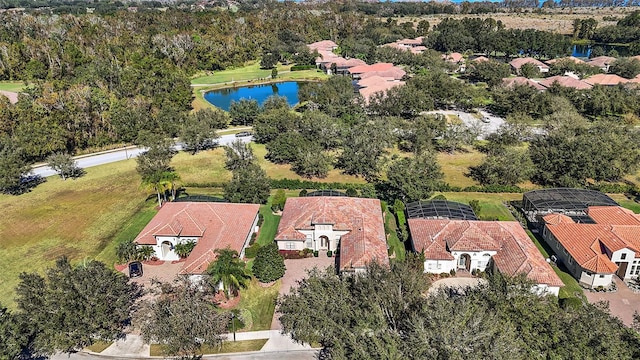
222	98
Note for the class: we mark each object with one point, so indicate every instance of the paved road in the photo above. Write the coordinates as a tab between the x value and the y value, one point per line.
107	157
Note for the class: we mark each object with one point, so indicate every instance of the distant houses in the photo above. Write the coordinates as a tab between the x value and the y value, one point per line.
517	63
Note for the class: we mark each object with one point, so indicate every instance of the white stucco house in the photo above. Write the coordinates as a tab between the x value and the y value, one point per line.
210	225
480	245
355	226
596	252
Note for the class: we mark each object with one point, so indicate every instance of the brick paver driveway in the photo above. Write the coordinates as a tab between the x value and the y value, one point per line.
622	303
297	270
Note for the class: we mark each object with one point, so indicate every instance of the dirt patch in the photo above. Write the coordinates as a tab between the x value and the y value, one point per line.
225	303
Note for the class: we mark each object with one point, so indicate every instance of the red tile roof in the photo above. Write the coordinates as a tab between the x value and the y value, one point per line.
516	253
368	92
613	215
601	61
519	80
217	225
326	45
362	218
518	62
368	68
555	219
606	79
480	59
565	81
569	58
453	57
394	73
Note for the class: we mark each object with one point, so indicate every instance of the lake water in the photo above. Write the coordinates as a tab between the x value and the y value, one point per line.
222	98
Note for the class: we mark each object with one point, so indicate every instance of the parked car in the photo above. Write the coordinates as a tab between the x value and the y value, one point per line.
135	269
244	133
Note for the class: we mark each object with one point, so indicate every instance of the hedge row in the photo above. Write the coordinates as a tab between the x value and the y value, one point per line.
302	67
295	184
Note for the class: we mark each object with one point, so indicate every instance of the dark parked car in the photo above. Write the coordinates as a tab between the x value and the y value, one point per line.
135	269
244	133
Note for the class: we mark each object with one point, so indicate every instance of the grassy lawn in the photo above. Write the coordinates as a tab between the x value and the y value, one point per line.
99	347
571	287
491	205
257	305
269	225
625	202
77	218
13	86
208	166
455	166
392	240
226	347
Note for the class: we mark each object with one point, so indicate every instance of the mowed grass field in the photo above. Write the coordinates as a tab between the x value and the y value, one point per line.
13	86
75	218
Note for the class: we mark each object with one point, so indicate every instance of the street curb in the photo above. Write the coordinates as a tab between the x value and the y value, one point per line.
203	356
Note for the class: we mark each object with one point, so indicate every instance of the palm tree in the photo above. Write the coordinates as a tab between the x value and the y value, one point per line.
155	182
229	270
170	180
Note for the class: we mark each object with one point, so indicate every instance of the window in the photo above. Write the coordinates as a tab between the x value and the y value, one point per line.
439	266
290	245
623	256
601	276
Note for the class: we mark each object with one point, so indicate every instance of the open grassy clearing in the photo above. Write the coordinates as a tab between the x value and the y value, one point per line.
226	347
13	86
76	218
456	166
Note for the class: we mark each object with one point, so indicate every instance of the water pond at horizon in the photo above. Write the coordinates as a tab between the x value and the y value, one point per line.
222	98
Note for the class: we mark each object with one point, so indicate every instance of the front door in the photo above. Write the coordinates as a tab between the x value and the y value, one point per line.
622	269
324	242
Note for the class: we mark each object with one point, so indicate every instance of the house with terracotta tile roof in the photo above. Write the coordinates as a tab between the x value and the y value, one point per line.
210	225
565	81
510	82
323	45
354	226
517	63
606	80
603	62
452	244
568	58
604	245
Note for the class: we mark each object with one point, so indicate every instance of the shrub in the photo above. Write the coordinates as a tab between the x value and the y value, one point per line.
302	193
439	197
452	272
315	253
252	251
292	254
329	253
278	200
307	252
126	251
269	264
184	249
260	220
254	236
573	303
145	253
351	192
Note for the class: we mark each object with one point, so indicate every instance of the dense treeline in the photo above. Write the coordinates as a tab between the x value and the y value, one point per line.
384	313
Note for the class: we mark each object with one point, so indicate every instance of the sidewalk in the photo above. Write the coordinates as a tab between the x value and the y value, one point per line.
134	347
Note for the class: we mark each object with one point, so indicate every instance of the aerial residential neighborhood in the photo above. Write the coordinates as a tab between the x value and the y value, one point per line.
310	180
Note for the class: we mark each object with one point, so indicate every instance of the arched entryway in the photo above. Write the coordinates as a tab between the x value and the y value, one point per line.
166	249
464	262
324	242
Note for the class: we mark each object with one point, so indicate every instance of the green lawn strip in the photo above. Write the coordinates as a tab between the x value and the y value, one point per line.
12	86
260	302
392	239
491	205
129	231
571	287
269	225
99	346
226	347
625	202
